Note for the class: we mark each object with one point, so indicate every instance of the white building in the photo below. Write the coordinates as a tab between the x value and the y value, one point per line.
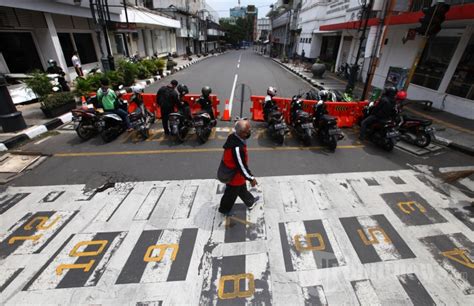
263	29
52	29
445	73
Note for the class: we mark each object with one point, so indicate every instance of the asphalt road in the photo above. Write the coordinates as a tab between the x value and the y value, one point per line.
93	162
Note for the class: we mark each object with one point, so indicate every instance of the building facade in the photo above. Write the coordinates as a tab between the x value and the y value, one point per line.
331	30
46	29
263	29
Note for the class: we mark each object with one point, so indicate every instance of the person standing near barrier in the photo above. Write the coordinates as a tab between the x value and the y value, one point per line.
205	101
167	98
76	62
235	159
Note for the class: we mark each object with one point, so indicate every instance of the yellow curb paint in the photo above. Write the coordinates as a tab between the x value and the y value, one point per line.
206	150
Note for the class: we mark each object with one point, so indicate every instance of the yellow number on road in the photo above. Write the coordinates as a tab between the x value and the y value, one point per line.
460	256
410	207
373	239
236	293
162	247
75	253
42	221
309	246
14	239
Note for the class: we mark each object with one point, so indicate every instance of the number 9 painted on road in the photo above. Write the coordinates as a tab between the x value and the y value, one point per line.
74	253
236	293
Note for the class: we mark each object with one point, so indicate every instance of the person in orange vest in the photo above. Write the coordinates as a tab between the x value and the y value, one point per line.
236	158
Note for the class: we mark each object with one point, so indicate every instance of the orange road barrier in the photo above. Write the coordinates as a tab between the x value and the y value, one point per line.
149	100
347	113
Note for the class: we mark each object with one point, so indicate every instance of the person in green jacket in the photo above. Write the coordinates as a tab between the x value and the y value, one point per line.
108	98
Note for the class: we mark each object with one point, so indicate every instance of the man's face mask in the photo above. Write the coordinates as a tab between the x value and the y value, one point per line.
249	133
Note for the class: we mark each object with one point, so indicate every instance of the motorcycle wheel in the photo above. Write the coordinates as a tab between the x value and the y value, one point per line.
83	133
307	139
107	136
280	138
388	145
332	143
423	140
145	133
203	135
181	135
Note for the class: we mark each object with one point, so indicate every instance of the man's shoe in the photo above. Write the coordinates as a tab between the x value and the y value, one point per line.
254	203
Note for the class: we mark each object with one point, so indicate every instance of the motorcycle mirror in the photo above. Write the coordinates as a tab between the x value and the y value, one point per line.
55	89
120	87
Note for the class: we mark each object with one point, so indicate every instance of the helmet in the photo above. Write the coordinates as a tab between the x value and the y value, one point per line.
183	89
51	62
390	91
271	91
401	95
137	89
324	95
206	91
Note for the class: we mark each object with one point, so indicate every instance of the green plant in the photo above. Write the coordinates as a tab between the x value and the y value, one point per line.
40	84
115	77
170	64
142	71
150	65
84	86
57	99
128	70
160	64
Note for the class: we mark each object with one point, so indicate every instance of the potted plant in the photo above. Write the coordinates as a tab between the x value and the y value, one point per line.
39	83
57	104
160	65
318	69
129	71
170	64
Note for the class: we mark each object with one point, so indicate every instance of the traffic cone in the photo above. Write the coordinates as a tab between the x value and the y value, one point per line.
84	102
226	115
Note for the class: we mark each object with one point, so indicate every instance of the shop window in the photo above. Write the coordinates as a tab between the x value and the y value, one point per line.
67	46
434	61
19	52
462	83
85	47
120	44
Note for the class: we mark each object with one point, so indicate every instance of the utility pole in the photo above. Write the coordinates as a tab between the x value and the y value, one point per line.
366	11
101	8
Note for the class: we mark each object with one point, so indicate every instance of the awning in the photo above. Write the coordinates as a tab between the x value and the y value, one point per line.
146	17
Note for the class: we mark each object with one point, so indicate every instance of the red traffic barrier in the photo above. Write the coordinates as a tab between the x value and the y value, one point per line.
149	100
347	113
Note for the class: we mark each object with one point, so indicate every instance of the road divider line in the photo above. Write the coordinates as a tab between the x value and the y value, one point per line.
201	150
232	94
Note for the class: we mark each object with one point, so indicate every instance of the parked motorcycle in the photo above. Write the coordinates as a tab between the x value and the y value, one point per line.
415	130
203	125
141	121
111	125
178	126
86	120
301	121
326	126
383	133
277	127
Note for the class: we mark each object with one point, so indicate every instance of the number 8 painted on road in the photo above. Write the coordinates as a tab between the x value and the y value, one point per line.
236	293
74	253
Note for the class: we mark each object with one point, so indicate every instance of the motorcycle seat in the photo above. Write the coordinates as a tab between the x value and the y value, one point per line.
423	122
329	118
302	113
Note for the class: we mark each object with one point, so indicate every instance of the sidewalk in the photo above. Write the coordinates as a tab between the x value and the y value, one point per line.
38	124
451	130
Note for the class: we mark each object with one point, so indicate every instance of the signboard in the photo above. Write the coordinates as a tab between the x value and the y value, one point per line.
396	77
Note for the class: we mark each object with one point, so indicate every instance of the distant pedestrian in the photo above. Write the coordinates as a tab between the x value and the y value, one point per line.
167	98
76	62
302	55
235	159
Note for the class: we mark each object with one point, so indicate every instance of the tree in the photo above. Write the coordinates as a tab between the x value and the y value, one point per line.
241	30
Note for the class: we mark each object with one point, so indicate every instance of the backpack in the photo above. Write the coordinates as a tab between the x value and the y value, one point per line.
224	173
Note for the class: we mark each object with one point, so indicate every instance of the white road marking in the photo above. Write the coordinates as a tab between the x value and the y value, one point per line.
385	250
456	169
365	293
231	100
42	140
238	66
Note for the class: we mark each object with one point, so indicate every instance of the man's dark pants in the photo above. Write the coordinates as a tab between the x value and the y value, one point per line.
123	114
367	122
230	195
165	113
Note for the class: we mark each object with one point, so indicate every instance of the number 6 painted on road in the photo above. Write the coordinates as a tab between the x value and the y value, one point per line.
309	246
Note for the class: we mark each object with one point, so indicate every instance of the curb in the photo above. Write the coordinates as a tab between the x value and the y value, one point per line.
38	130
307	79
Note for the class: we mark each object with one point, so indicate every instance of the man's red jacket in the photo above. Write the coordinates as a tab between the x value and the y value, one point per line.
235	157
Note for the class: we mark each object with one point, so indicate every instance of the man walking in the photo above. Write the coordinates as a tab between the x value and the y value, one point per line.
76	62
167	98
235	157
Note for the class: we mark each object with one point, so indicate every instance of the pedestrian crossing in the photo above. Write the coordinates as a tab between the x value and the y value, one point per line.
384	237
